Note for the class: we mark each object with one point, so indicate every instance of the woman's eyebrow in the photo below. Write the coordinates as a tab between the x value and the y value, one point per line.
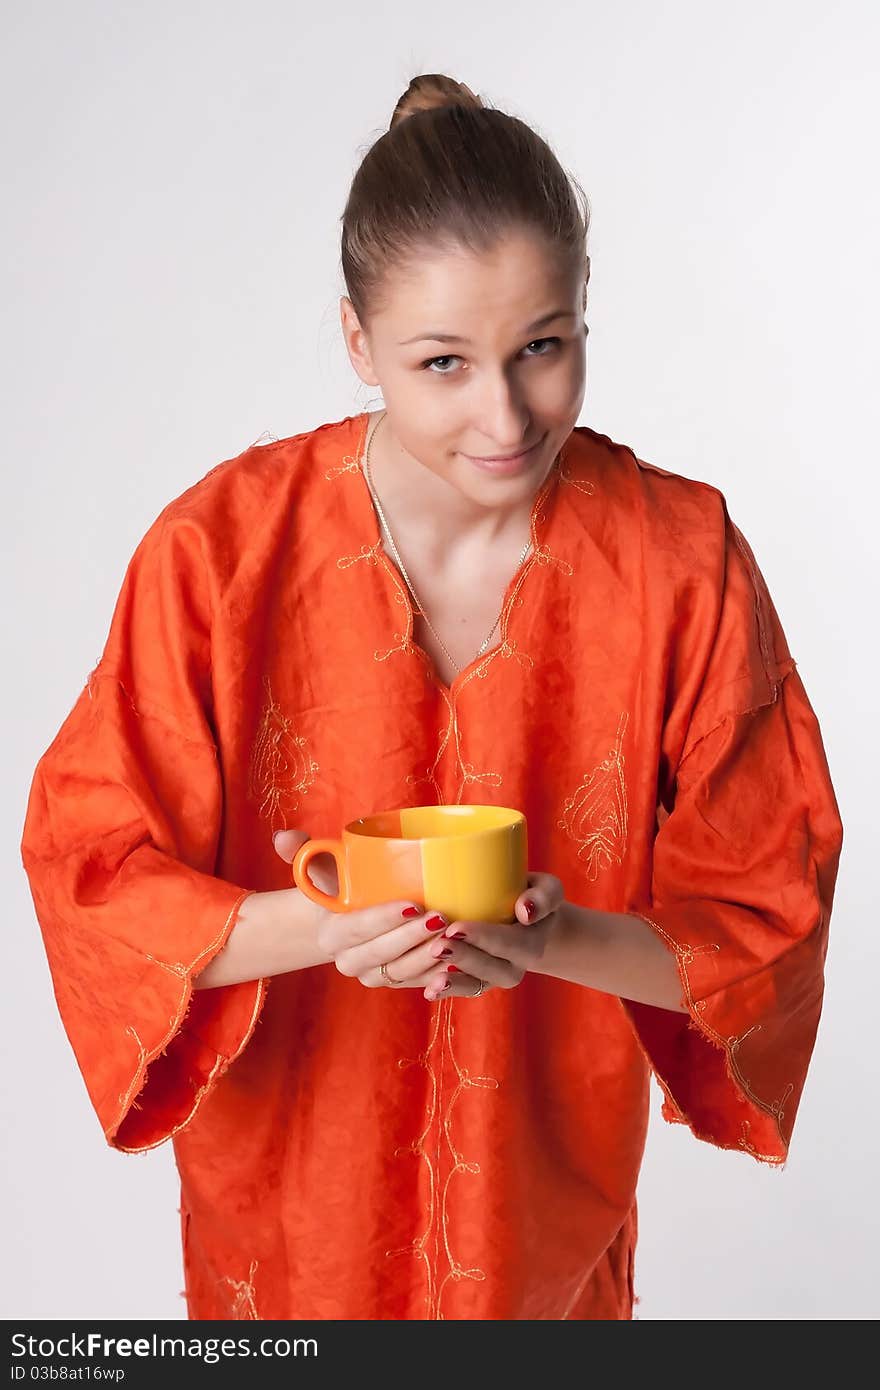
453	338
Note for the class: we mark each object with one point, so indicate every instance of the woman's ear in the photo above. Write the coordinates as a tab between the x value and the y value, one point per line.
356	343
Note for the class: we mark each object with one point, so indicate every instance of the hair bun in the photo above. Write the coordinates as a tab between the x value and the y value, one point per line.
430	90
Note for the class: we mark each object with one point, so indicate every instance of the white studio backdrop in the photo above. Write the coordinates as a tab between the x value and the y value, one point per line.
174	180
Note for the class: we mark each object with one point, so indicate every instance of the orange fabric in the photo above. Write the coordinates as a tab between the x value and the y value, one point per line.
355	1153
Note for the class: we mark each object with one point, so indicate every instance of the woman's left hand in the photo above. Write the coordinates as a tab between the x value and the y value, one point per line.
498	954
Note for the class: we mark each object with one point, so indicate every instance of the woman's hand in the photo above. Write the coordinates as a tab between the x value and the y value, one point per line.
393	945
421	949
486	954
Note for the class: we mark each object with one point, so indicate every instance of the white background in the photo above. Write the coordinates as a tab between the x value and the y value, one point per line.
174	176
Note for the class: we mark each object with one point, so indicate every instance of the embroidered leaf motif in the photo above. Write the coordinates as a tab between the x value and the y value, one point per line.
281	769
243	1305
596	816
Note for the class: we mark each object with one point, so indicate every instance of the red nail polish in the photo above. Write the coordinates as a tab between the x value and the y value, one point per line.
529	907
458	936
411	912
435	923
454	968
441	954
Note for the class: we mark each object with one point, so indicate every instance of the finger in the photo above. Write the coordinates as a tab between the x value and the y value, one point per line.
399	974
473	965
388	929
512	942
321	870
542	895
456	985
407	951
287	842
497	970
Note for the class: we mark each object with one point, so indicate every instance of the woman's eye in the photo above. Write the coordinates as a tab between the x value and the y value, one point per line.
536	342
432	362
554	342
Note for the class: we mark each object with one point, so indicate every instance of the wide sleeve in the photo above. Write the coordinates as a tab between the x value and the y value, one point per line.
119	845
743	877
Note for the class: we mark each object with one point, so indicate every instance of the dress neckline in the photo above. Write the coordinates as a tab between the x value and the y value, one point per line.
537	553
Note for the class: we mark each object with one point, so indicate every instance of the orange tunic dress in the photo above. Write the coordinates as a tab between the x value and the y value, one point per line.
364	1154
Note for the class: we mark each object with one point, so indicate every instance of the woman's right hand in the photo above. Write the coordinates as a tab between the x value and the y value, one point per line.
399	935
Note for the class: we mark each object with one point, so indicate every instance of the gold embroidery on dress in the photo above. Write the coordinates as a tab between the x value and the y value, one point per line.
775	1107
370	553
509	648
349	465
756	1153
596	816
506	650
434	1243
125	1097
173	967
469	774
685	955
544	556
176	968
442	1038
419	1247
460	1164
403	640
434	1239
281	769
581	484
137	1082
540	554
452	734
244	1306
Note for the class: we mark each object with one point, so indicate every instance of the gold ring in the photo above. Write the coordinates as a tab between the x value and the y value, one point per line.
479	991
389	979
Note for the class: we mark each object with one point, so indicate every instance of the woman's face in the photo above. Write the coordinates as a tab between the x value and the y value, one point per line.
478	355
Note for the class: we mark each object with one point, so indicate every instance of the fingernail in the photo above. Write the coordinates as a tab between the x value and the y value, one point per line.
453	969
436	923
457	936
411	912
529	907
439	954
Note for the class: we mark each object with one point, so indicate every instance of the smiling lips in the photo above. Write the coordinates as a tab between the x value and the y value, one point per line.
501	458
503	466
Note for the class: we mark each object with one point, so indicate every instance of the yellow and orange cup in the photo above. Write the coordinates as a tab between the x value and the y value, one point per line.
468	862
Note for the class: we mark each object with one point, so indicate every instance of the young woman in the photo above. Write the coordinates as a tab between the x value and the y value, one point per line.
464	597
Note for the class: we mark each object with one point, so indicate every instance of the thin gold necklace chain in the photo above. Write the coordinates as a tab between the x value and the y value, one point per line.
418	603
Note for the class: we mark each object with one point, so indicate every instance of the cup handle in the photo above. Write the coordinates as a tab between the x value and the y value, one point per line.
301	860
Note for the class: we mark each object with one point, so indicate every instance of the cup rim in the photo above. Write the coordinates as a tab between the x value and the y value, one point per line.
517	817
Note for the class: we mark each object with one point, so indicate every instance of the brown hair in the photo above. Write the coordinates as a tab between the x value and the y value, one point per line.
450	171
